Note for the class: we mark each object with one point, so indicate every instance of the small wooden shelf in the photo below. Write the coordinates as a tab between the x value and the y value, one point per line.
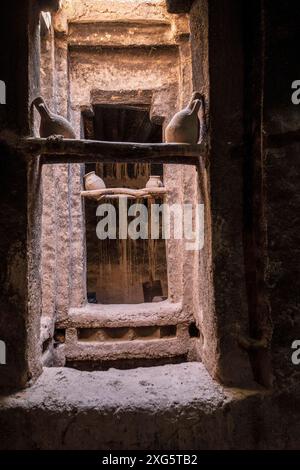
92	151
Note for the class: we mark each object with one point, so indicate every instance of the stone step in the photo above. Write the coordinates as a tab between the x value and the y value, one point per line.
100	345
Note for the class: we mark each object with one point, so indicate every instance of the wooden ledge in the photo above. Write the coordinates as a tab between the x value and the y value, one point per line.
92	151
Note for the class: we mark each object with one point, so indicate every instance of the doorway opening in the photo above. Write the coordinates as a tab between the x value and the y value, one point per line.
123	271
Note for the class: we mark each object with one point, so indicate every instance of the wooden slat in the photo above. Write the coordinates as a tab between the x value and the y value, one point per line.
283	139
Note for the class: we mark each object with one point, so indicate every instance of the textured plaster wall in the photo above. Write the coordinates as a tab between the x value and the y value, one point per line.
108	10
218	59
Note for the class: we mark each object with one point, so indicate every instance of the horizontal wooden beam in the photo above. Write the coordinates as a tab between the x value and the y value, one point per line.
93	151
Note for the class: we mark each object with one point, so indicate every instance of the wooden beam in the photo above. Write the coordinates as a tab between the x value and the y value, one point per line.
92	151
179	6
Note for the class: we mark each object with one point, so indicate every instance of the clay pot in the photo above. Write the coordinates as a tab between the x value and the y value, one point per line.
92	181
154	182
184	127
